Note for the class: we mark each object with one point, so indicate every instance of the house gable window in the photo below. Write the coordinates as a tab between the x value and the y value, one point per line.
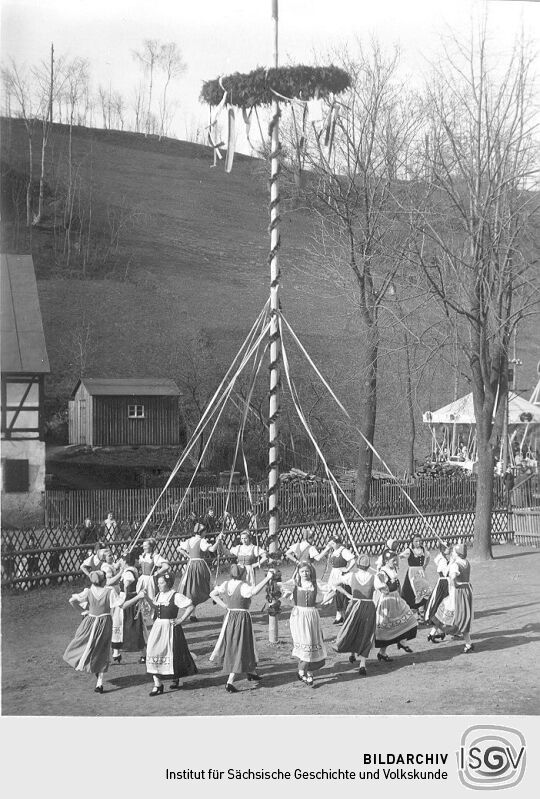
135	411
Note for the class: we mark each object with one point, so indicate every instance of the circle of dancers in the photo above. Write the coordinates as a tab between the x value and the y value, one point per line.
131	605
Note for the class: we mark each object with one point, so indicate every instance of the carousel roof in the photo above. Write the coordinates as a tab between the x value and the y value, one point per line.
520	411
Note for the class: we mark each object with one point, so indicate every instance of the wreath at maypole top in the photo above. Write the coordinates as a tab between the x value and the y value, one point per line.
259	88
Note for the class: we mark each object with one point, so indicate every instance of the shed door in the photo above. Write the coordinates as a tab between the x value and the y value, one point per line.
82	421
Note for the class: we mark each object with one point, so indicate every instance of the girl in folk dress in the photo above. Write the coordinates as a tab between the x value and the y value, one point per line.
248	555
129	631
304	551
235	648
151	565
395	620
455	612
167	653
416	590
341	561
391	547
305	622
442	564
90	648
356	635
195	583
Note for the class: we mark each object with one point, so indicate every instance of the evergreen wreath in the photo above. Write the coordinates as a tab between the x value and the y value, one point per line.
245	90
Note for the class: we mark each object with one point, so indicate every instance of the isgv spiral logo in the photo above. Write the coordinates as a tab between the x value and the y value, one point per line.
491	757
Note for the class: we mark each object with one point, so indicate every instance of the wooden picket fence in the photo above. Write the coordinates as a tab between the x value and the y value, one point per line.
53	555
299	500
526	526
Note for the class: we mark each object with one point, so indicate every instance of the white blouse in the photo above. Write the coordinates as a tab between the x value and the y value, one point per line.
303	549
230	586
164	598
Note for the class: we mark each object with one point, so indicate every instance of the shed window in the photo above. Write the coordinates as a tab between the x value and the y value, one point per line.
135	411
16	476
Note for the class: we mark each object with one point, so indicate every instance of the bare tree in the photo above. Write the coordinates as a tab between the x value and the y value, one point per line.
75	89
470	215
148	58
360	235
172	65
18	83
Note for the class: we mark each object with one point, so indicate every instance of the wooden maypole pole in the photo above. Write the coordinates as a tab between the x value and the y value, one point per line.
275	343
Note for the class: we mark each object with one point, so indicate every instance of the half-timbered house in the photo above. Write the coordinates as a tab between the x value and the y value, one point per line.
23	368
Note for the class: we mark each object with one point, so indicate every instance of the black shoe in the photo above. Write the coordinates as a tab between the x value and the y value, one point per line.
231	689
142	659
405	648
254	677
384	657
352	658
98	689
117	659
434	639
156	690
362	671
175	685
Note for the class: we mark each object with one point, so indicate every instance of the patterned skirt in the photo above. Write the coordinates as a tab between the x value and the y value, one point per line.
306	632
455	613
416	589
195	583
91	646
357	633
235	649
167	653
395	620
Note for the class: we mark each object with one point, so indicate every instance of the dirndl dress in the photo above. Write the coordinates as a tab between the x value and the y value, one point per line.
235	649
339	560
247	555
129	630
195	583
416	589
90	648
395	621
358	631
455	613
167	653
305	624
440	590
148	564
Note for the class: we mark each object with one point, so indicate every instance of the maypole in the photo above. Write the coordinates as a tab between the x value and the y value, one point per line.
275	343
265	88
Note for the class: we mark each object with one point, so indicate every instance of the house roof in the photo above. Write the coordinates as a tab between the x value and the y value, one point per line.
131	386
462	411
23	341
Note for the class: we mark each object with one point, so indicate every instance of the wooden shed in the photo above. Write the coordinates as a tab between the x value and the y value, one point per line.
24	366
108	412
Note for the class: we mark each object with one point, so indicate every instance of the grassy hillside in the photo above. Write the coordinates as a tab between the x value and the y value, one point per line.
179	248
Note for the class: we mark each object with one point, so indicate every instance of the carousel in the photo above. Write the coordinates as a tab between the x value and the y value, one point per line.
453	435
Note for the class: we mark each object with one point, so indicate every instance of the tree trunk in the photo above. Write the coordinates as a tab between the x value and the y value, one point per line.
29	184
367	413
484	496
410	406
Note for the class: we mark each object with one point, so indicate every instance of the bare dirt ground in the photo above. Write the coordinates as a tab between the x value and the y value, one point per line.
500	677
